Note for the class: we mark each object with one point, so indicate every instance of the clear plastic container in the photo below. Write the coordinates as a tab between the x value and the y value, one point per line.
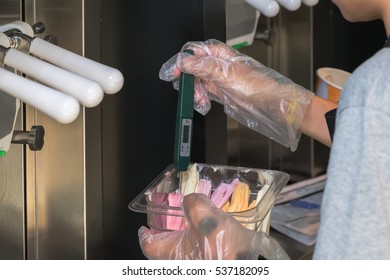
270	182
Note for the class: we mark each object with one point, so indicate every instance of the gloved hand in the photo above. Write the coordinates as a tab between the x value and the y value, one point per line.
210	234
254	95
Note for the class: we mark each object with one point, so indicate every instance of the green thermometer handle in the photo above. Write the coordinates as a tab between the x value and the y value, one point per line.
184	120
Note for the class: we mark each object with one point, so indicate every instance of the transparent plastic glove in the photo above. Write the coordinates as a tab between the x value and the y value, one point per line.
254	95
210	234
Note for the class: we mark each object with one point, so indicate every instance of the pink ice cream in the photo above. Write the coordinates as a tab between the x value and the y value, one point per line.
222	193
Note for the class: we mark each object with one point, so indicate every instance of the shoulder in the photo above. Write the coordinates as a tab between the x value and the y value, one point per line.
376	66
369	84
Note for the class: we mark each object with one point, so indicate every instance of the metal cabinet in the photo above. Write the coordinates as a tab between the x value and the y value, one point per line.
70	200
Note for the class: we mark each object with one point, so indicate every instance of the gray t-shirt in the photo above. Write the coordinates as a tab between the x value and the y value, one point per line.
355	214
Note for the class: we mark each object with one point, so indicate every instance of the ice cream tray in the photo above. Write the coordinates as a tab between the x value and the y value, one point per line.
161	200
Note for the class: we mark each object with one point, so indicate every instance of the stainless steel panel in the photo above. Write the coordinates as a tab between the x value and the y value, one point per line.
93	138
245	146
296	61
12	219
292	55
56	174
80	184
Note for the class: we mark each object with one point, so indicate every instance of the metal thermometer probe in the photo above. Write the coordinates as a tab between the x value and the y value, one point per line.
184	119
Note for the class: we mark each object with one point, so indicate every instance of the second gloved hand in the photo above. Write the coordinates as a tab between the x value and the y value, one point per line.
210	234
254	95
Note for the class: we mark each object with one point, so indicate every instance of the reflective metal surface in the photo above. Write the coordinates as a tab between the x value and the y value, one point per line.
80	183
12	219
55	175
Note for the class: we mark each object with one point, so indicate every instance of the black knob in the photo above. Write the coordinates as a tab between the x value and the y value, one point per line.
38	28
33	138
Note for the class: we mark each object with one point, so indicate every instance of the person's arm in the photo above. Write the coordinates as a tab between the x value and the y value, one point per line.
314	123
251	93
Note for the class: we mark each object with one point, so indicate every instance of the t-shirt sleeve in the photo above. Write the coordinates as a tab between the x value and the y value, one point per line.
331	121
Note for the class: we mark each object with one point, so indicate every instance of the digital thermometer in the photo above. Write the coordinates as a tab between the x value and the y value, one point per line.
184	119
